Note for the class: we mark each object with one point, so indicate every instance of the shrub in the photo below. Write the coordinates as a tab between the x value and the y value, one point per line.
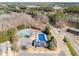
10	34
3	36
73	52
51	46
49	37
21	27
52	43
47	30
7	35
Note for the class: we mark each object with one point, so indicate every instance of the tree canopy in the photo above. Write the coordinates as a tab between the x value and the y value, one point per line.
71	9
7	35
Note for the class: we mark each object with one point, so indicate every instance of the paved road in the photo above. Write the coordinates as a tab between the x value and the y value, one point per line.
59	38
72	39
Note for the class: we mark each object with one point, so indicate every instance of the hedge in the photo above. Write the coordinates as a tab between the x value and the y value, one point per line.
73	52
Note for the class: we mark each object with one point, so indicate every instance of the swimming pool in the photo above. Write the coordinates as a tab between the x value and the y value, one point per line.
42	37
41	40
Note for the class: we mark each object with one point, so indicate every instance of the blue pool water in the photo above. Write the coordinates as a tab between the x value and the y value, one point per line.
41	37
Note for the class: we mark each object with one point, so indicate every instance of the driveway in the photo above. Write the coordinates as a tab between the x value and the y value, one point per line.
59	38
